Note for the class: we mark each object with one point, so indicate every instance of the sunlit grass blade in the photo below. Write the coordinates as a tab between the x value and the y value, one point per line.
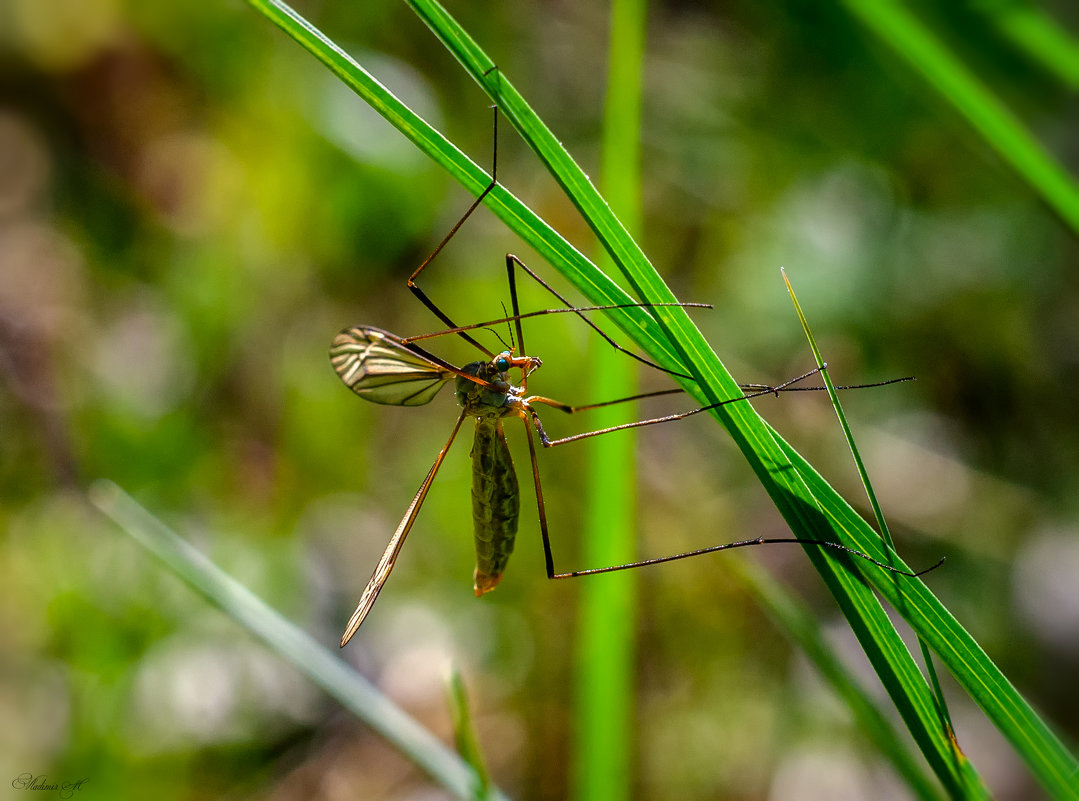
603	764
292	644
834	397
464	735
926	54
790	617
973	786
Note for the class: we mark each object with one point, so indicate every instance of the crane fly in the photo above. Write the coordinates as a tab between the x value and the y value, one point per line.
387	369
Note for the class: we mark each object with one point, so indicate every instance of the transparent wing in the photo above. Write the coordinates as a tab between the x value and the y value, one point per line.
379	367
389	556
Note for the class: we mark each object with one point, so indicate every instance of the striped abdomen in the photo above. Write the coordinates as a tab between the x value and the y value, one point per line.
496	502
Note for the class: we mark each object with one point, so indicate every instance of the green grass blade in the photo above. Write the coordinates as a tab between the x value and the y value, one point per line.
990	117
603	767
878	514
292	644
790	617
1039	36
900	676
464	735
972	784
1045	755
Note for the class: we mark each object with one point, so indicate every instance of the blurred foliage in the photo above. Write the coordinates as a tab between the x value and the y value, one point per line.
190	208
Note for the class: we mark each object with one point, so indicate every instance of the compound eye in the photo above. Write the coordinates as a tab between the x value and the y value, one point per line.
502	364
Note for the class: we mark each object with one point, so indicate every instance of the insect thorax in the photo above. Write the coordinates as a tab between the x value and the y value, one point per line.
480	400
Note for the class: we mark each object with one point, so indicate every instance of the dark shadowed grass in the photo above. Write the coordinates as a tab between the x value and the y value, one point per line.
946	75
1038	36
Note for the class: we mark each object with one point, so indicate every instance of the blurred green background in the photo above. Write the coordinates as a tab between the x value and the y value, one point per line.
191	208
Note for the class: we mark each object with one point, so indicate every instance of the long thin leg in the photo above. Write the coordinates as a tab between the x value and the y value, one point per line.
550	443
754	389
512	260
419	293
516	318
548	556
513	318
389	556
511	277
743	544
755	393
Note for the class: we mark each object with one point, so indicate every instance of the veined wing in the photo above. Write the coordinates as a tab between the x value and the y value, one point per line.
378	366
389	556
